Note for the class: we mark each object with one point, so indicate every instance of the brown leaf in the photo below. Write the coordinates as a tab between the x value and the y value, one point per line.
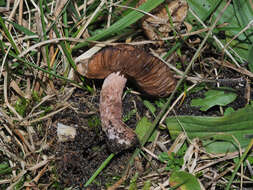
160	21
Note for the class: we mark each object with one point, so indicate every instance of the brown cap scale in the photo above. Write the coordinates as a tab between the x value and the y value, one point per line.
117	64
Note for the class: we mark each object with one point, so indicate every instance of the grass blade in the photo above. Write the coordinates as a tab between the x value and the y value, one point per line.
102	166
43	23
126	21
249	147
9	36
43	70
21	28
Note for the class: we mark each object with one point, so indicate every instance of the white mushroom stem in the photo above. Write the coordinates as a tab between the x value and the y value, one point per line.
119	136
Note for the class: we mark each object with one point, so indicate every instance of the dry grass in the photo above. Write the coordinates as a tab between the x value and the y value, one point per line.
37	79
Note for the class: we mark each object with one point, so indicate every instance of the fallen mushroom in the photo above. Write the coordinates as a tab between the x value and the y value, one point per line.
158	26
117	64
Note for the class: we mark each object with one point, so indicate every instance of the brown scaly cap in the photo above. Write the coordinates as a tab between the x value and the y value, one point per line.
151	75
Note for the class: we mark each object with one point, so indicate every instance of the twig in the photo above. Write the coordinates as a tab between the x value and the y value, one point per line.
40	164
90	19
230	156
215	38
17	179
175	102
110	15
41	102
58	8
250	24
44	117
4	59
154	144
118	183
6	98
231	66
20	12
14	9
162	21
190	33
168	64
8	153
150	153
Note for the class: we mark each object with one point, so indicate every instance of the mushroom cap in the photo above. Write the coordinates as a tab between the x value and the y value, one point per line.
150	74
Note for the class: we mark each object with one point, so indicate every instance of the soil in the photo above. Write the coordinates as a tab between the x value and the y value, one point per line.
77	160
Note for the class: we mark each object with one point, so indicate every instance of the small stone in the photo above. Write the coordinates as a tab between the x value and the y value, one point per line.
65	132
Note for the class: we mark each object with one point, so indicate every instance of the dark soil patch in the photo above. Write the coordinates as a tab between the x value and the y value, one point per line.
229	80
77	160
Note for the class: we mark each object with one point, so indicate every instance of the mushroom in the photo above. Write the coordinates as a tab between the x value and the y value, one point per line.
158	25
117	64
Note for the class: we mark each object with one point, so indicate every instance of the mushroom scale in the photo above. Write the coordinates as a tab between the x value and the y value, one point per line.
117	64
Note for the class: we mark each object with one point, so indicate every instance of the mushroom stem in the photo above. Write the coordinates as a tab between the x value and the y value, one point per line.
120	137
